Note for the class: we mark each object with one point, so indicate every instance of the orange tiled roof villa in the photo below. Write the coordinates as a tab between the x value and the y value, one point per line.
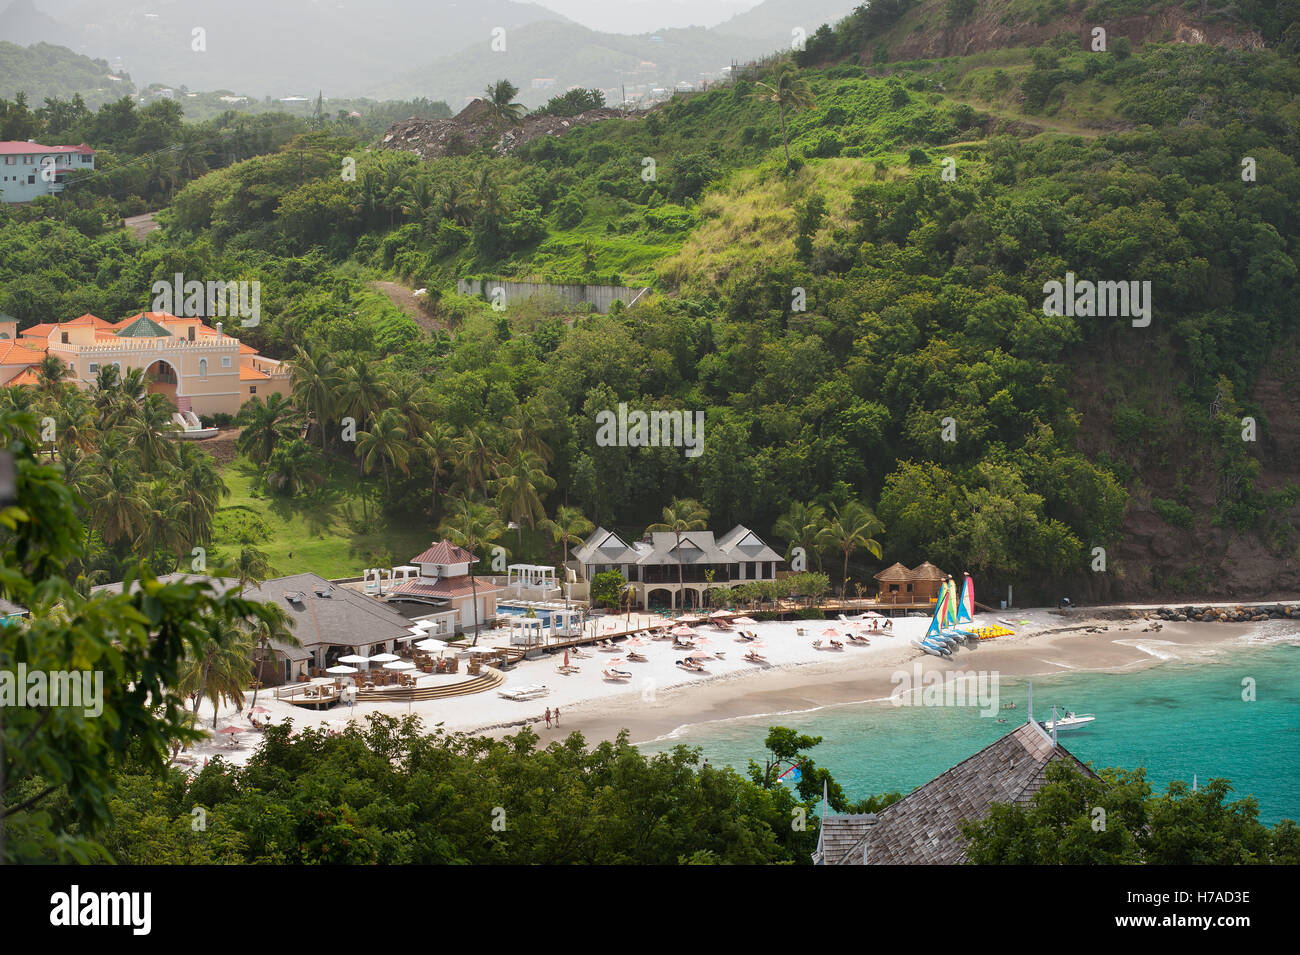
198	367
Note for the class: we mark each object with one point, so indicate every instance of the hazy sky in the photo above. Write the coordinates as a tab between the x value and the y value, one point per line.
641	16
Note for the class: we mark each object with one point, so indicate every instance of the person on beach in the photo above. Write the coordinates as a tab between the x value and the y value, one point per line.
557	717
548	717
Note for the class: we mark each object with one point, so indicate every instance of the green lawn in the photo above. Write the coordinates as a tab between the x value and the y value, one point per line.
335	531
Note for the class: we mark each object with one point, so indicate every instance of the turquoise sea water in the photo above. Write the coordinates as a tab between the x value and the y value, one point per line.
1174	719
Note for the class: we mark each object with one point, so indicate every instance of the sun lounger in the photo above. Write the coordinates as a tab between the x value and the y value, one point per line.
617	675
531	692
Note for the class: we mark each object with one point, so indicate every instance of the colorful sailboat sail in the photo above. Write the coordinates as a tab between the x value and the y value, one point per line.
950	604
937	622
966	609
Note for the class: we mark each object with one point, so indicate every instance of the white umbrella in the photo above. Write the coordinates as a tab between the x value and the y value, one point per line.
483	650
384	658
341	669
745	621
354	658
399	665
432	644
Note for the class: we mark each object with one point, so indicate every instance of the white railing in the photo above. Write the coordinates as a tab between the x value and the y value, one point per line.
138	345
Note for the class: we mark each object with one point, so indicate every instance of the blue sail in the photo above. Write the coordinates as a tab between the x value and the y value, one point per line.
966	604
935	628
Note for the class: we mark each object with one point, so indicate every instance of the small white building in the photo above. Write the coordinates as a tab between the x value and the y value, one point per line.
29	170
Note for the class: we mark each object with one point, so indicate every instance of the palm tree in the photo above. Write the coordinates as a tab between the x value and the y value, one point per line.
414	399
292	467
800	525
517	485
251	566
219	667
523	429
453	202
266	426
488	194
568	524
76	425
476	457
190	163
849	528
50	374
200	485
266	631
682	515
437	446
790	92
120	508
165	525
501	111
315	383
472	525
145	424
361	393
385	442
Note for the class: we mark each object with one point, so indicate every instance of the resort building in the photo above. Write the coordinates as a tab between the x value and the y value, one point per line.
199	368
29	170
328	622
662	571
924	827
918	585
11	612
442	581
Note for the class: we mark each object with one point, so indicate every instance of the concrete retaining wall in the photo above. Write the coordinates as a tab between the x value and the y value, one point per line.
569	297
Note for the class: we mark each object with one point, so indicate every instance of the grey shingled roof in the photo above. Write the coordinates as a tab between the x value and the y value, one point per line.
738	545
923	828
344	618
220	584
839	834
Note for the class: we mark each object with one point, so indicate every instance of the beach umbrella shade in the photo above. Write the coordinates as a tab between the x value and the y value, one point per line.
399	665
231	730
872	613
340	669
745	621
259	709
683	631
718	614
384	658
614	662
431	644
354	658
830	633
636	642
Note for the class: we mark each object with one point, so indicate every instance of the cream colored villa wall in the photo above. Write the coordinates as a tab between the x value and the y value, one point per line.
214	390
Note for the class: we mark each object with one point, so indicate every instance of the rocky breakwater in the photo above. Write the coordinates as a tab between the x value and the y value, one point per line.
1238	614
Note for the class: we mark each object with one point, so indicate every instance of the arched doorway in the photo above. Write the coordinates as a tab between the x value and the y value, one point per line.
161	379
659	599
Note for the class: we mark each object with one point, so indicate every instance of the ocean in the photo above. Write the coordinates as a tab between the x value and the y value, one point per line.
1175	718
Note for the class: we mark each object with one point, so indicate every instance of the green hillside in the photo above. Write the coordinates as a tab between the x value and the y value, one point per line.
925	207
45	71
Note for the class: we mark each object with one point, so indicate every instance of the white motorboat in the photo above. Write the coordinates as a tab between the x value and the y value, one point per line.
1070	721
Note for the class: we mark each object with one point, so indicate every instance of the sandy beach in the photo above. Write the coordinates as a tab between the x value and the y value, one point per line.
661	700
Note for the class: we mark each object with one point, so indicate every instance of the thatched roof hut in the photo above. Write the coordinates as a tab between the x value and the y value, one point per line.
894	574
